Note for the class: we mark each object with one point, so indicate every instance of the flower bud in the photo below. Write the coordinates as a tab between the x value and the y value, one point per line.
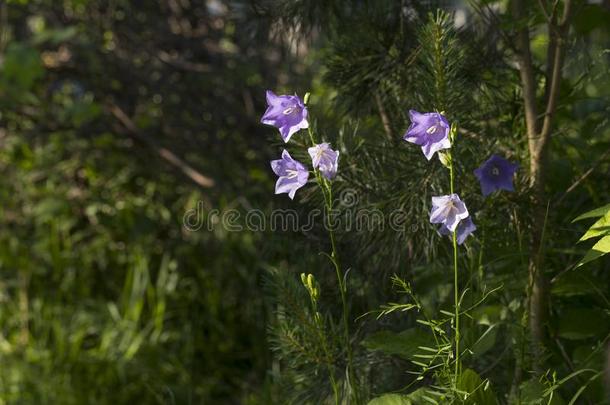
306	98
453	132
445	159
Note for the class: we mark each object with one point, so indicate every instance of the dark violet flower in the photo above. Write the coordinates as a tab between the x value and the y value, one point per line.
464	229
428	130
496	174
448	210
287	113
324	159
292	174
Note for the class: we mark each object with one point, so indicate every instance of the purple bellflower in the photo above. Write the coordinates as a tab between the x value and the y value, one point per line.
292	174
496	174
428	130
287	113
324	159
448	210
464	229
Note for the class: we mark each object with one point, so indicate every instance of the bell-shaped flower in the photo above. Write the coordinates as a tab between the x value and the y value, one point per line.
292	174
287	113
496	174
324	159
448	210
464	229
428	130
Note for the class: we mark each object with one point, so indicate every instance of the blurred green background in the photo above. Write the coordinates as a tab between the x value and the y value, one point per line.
118	118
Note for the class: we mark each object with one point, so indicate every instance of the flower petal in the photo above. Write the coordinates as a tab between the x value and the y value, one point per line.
464	229
271	97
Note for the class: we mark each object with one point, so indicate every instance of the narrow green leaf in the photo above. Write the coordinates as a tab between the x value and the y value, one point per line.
598	212
600	227
598	250
485	342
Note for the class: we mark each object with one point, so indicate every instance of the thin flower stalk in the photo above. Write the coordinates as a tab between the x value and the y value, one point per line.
456	298
326	187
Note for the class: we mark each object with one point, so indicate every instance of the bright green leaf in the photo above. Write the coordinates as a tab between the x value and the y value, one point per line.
600	227
598	250
596	213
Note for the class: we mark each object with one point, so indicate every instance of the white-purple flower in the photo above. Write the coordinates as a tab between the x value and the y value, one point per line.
292	174
428	130
287	113
448	210
324	159
496	174
464	229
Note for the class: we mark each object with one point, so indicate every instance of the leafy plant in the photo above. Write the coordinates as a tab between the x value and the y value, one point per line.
599	230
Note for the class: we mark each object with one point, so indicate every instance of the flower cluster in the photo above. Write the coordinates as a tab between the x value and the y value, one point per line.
429	130
433	133
289	115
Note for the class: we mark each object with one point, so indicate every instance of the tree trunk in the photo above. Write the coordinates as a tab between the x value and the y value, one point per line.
538	135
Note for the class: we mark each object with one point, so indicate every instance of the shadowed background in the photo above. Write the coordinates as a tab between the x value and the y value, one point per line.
118	117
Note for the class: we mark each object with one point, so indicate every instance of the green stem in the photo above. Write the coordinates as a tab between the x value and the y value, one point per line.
456	296
457	308
322	336
326	188
342	287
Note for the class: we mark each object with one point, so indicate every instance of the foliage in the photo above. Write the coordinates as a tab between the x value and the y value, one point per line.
600	229
110	112
375	79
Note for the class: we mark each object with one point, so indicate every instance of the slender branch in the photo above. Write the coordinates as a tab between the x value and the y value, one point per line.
570	364
582	178
544	10
550	51
493	21
385	120
164	153
3	26
182	63
526	71
562	30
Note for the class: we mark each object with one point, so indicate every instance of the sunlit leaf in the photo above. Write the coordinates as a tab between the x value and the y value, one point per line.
598	212
601	248
600	227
